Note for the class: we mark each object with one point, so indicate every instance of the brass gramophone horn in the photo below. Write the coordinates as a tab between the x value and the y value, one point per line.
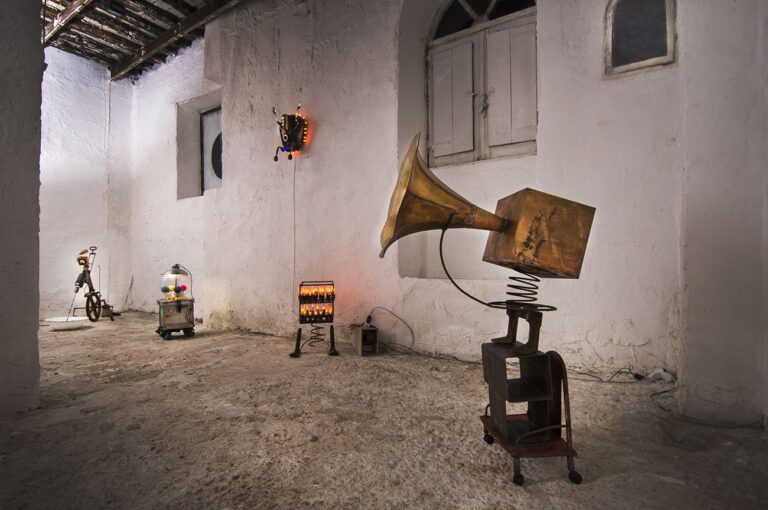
422	202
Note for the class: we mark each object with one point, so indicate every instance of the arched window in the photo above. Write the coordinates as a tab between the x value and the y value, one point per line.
639	34
482	81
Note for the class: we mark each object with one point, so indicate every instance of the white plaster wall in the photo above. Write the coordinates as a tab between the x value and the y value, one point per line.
614	143
73	175
163	230
21	69
118	253
725	127
340	60
609	143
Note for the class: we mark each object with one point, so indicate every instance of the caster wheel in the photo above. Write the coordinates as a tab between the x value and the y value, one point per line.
167	335
189	332
518	479
488	438
574	477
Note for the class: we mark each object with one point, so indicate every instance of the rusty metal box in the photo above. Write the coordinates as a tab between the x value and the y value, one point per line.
547	235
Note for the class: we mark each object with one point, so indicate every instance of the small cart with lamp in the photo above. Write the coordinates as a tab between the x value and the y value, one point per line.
177	308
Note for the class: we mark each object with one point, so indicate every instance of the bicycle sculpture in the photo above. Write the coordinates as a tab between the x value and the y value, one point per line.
95	305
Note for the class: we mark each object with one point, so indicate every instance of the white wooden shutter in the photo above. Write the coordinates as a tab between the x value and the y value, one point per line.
451	99
511	84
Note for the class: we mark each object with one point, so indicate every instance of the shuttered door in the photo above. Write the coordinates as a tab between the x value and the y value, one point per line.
511	84
451	98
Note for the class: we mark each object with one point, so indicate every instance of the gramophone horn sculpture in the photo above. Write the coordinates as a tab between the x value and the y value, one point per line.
538	235
534	233
422	202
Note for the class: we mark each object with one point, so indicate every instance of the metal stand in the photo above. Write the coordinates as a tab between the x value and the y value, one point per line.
530	314
315	337
543	385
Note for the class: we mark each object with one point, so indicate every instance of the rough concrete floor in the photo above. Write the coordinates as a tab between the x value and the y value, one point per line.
227	420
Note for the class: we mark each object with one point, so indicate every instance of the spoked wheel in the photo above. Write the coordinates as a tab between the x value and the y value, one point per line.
93	306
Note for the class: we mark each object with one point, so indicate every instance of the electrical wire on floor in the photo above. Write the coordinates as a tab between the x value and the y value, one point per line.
757	424
636	377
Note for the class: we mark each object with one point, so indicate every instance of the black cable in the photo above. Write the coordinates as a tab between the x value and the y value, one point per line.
597	378
495	305
413	336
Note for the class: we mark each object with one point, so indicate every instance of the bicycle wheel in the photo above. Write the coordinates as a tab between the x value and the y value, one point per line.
93	306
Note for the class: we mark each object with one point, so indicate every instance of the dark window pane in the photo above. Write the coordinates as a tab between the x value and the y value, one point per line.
504	7
216	156
454	20
479	6
639	31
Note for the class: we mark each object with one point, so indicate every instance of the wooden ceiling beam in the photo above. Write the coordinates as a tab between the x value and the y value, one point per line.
115	28
90	29
145	7
73	43
63	18
131	22
178	6
150	13
173	34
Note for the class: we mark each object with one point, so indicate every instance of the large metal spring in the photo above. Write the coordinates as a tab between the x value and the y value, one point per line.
524	292
316	334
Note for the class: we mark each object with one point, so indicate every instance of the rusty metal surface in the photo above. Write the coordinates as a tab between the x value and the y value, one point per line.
422	202
547	235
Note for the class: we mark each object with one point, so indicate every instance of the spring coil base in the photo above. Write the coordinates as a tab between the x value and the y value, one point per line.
316	334
523	294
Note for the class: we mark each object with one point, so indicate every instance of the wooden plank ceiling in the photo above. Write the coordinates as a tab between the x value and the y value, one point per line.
128	36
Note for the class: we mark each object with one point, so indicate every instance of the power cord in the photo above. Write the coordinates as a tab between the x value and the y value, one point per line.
596	378
370	318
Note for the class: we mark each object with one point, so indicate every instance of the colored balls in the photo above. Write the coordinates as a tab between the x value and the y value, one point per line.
164	288
177	289
183	287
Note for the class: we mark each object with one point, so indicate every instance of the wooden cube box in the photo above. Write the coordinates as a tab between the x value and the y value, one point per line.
547	235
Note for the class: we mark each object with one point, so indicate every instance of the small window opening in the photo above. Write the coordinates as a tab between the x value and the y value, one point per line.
639	34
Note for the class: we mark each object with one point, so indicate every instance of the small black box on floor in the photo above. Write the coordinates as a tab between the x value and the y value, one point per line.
367	342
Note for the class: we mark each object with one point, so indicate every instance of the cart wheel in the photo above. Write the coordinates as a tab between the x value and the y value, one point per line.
574	477
167	335
93	307
518	479
188	332
488	438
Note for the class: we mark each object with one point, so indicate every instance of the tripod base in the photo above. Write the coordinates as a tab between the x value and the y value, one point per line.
332	351
297	350
332	344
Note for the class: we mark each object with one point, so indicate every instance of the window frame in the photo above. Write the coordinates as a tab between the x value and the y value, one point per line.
477	34
203	155
188	141
669	58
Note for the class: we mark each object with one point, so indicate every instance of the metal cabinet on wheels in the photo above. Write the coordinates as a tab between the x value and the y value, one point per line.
543	385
